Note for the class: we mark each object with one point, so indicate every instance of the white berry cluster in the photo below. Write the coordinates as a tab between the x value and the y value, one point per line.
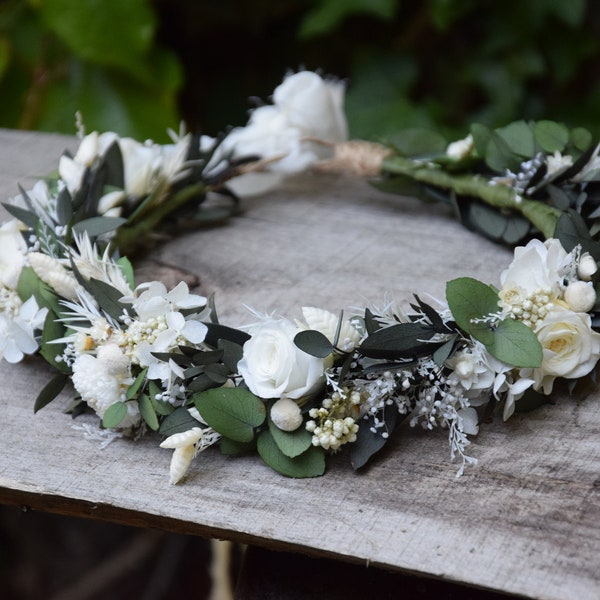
331	424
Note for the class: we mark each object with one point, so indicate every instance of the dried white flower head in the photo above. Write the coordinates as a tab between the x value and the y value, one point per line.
184	446
580	296
587	267
286	414
327	323
460	149
51	271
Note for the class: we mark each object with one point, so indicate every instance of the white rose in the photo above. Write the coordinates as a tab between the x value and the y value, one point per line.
570	347
273	365
304	106
12	253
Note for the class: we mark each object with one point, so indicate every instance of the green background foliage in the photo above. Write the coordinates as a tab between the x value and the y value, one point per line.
140	66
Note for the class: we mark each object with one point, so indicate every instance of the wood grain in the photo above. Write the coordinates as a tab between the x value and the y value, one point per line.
525	520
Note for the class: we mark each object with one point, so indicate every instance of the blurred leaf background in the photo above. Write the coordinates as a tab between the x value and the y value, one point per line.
140	66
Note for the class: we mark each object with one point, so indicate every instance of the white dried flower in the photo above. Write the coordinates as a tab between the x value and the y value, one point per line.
184	446
286	414
51	271
327	323
460	149
586	267
580	296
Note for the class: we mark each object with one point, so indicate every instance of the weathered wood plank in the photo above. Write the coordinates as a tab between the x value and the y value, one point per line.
526	520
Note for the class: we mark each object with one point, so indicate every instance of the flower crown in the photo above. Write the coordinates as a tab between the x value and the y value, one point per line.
148	358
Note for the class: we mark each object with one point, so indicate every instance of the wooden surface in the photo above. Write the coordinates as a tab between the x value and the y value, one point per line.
526	520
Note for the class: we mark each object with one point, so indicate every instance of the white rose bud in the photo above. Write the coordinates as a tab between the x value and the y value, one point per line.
460	149
286	414
580	296
587	267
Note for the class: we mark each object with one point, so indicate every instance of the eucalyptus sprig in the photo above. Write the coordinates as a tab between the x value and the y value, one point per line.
510	183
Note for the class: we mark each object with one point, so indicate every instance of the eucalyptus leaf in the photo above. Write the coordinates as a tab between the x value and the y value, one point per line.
310	463
134	388
551	136
518	136
51	390
127	270
178	421
481	137
218	332
148	412
217	373
581	138
161	407
291	443
232	354
64	207
470	300
444	352
499	156
314	343
404	340
95	226
516	344
114	415
571	230
233	412
108	297
26	217
53	330
368	443
233	448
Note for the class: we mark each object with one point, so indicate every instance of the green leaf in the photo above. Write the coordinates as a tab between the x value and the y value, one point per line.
481	137
368	443
571	230
405	340
232	354
516	344
314	343
291	443
499	156
25	216
233	448
134	388
308	464
469	299
53	330
551	136
108	297
127	270
64	207
148	413
218	332
444	352
233	412
581	138
51	390
161	407
96	226
114	414
519	138
178	421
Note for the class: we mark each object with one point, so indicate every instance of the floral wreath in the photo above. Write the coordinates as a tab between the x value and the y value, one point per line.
147	358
